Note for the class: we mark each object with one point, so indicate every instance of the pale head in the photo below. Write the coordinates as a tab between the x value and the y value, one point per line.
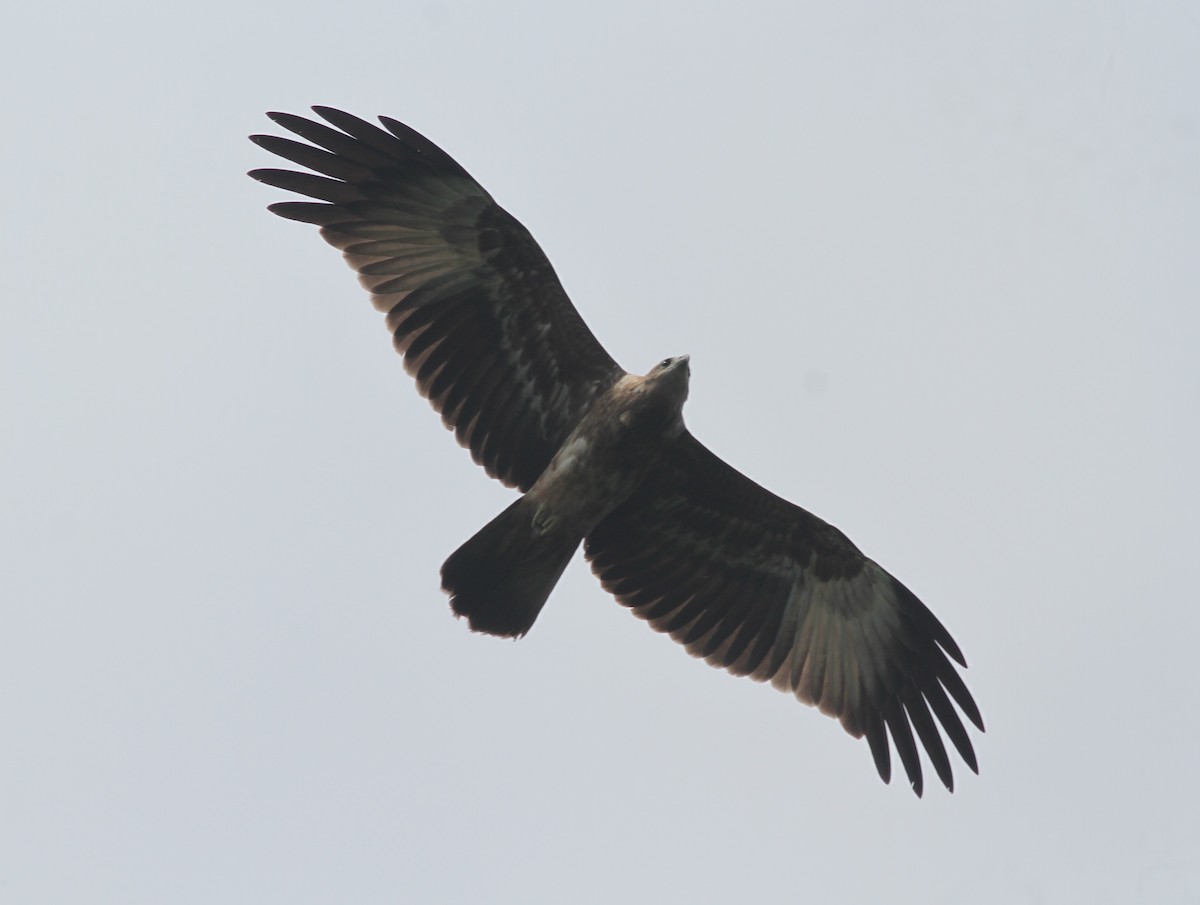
670	377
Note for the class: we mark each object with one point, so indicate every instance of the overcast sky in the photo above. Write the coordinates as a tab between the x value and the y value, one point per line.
937	270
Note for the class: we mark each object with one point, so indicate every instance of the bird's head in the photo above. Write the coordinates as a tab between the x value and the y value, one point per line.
670	376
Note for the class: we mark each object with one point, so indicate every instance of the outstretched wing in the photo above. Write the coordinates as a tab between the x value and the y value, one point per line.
475	308
751	583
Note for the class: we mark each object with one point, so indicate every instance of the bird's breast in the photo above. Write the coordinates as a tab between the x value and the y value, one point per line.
603	460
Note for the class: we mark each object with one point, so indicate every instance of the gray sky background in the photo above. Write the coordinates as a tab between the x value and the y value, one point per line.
937	270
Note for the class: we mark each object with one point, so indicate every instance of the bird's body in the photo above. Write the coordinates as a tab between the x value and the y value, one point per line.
501	578
607	455
739	576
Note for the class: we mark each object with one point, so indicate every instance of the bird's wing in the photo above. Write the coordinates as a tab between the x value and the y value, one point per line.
754	584
475	308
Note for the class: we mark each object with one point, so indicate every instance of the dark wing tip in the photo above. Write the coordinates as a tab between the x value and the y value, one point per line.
289	121
877	740
906	746
951	647
962	696
268	175
977	719
302	211
336	117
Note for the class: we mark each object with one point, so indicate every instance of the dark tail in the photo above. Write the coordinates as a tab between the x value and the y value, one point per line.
501	577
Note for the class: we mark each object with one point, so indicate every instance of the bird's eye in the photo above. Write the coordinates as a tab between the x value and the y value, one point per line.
665	363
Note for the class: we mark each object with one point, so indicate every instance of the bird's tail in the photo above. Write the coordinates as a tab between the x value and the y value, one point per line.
501	577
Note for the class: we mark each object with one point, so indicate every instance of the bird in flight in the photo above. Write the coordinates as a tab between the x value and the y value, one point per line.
740	577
